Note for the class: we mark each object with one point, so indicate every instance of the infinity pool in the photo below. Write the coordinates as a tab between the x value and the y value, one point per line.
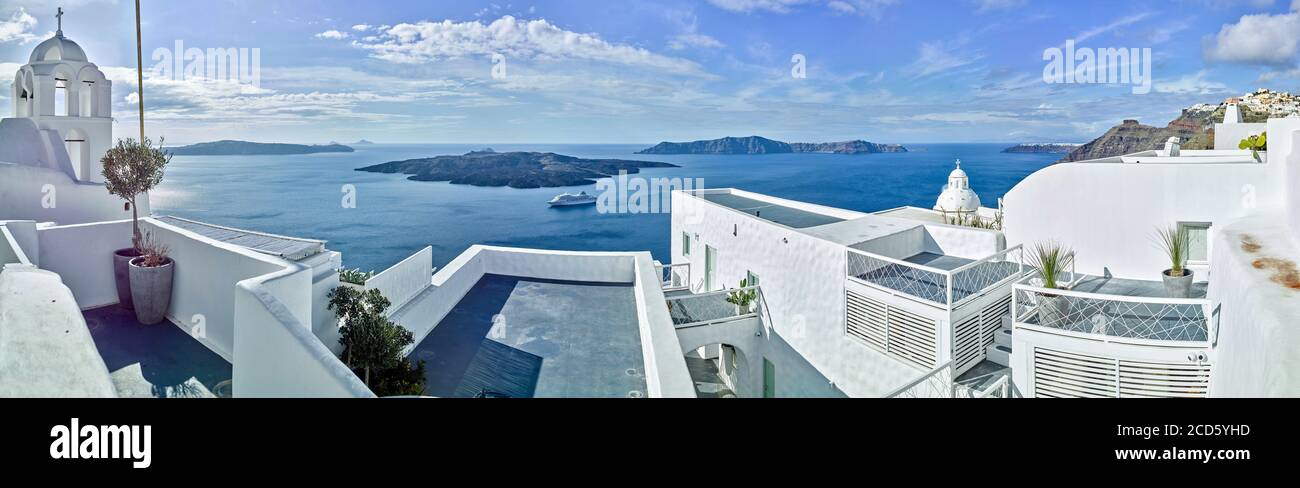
518	337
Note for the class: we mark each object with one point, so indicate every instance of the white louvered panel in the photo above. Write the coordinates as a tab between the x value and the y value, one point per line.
1064	374
991	318
968	343
1060	374
896	332
865	319
1142	379
912	337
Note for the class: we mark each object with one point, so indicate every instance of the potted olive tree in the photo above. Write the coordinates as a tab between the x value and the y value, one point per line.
151	281
1050	260
1176	242
131	169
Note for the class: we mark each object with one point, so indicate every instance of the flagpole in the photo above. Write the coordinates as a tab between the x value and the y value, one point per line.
139	68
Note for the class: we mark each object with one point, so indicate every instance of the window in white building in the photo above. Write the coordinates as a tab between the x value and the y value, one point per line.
686	244
1198	233
751	278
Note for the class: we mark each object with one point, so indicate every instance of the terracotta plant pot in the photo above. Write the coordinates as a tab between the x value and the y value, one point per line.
151	290
122	273
1178	287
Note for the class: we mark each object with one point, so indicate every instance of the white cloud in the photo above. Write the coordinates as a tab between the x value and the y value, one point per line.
937	57
858	7
516	39
986	6
362	27
1122	22
1257	39
1192	84
683	41
333	34
18	28
777	6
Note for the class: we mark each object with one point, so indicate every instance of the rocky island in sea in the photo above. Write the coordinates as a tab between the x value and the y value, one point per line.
245	148
762	145
513	169
1043	148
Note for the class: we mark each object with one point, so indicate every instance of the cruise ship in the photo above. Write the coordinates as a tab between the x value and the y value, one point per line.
761	296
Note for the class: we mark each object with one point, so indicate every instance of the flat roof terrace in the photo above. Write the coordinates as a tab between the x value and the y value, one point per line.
771	212
524	337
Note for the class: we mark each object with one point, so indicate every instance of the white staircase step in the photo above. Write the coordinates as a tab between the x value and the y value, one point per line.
1000	354
1002	337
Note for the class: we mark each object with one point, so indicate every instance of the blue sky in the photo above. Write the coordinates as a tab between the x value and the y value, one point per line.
642	71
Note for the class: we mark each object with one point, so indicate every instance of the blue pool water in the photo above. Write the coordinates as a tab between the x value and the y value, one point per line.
394	217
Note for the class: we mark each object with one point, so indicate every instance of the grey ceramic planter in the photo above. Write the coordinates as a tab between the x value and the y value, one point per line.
1180	287
122	273
151	291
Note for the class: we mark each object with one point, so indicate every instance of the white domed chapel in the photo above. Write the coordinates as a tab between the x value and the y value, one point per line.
957	195
61	91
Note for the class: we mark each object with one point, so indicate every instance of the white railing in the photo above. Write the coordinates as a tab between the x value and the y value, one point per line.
674	277
1115	318
712	308
940	383
404	280
948	289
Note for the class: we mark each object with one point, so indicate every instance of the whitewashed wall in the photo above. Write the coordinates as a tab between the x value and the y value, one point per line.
203	286
23	233
277	355
1258	338
82	255
803	280
1109	212
24	195
406	279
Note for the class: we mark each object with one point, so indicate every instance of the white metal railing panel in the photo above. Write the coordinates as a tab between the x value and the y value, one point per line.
712	308
674	277
943	288
1140	320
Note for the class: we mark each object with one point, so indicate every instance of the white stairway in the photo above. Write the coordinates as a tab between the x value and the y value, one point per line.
999	351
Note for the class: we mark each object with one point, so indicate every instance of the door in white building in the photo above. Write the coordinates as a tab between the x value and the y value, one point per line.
710	268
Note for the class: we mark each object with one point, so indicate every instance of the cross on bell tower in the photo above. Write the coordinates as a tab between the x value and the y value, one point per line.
60	17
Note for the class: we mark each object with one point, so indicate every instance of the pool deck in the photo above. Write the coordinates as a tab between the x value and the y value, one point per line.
520	337
155	361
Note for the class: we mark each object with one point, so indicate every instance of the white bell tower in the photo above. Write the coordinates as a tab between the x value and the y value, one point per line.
61	91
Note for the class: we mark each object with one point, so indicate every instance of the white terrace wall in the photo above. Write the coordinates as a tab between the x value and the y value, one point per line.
406	279
82	255
204	282
277	355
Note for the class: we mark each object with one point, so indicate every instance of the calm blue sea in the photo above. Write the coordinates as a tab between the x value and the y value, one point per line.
301	195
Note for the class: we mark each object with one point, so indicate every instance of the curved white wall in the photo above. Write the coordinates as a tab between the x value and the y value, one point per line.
1109	212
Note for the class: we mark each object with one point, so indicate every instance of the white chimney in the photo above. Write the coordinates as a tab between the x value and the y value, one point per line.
1173	147
1232	115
